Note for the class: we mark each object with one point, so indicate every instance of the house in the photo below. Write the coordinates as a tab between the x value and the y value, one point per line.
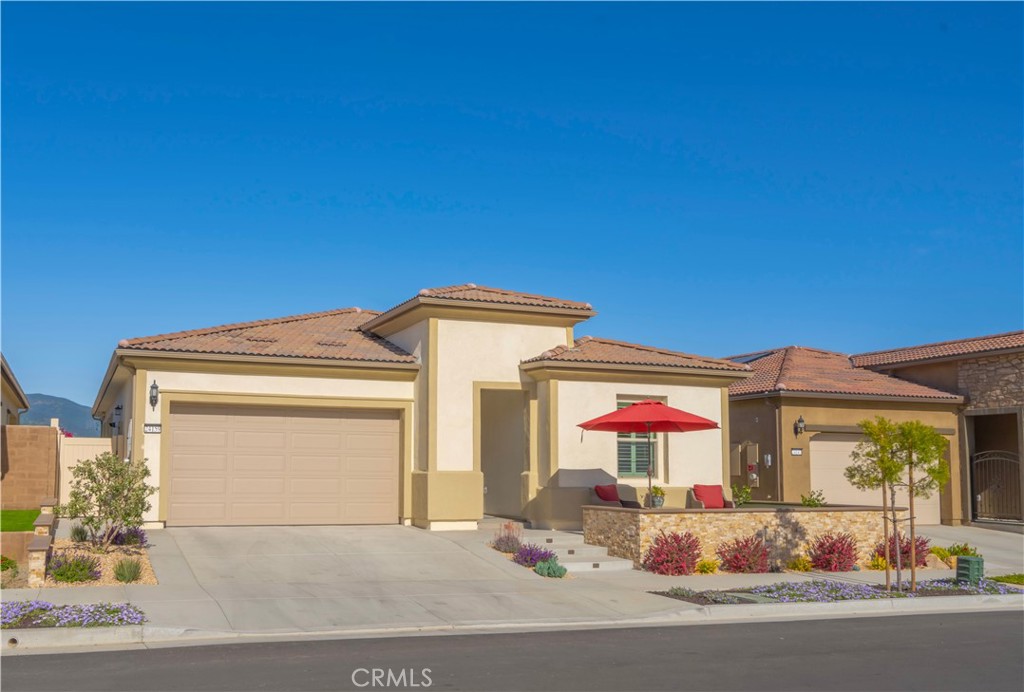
988	372
12	398
793	426
460	401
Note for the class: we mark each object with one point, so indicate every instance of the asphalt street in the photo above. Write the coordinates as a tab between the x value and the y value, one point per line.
973	651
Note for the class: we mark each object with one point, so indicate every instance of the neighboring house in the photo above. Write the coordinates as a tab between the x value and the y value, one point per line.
793	426
988	371
461	401
12	398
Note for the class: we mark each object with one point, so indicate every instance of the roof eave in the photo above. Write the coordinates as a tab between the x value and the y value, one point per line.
12	380
935	359
795	394
534	365
247	358
377	322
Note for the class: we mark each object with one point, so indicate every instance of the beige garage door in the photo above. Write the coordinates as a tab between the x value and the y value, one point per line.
234	465
830	455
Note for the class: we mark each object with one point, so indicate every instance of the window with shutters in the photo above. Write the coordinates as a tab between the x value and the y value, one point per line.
635	451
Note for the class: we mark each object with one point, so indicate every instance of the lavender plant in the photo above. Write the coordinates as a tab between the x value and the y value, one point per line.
529	555
44	614
74	568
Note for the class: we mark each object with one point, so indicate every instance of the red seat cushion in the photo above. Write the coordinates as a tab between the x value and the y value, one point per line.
710	495
608	493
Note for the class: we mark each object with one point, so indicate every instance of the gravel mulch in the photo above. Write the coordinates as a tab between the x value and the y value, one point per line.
107	562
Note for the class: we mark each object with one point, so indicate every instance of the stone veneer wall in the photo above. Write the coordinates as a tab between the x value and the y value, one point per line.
993	381
629	533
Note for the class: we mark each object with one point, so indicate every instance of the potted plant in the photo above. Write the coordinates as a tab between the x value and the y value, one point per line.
657	496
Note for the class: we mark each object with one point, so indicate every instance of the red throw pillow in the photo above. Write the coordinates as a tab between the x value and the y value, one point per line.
608	493
710	495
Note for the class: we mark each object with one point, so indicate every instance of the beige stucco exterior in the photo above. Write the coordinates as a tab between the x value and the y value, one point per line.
769	421
12	398
468	403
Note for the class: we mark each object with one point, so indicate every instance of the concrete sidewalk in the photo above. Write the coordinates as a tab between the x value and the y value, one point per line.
308	581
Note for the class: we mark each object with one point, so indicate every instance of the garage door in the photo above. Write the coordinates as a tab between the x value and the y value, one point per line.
252	466
830	455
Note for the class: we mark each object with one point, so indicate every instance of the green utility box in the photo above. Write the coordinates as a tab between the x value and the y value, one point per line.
970	569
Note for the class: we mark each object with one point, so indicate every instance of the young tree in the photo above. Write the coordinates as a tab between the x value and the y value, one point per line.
875	465
922	453
910	455
108	494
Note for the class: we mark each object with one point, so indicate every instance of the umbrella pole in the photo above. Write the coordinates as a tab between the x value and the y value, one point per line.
650	468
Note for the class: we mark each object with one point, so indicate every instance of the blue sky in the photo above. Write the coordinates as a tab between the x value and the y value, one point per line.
713	179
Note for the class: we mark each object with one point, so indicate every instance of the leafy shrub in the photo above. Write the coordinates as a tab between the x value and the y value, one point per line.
550	568
128	569
131	536
108	494
921	546
673	554
965	549
747	555
800	564
529	555
79	534
816	498
834	552
741	494
877	562
509	538
7	563
74	568
942	554
708	565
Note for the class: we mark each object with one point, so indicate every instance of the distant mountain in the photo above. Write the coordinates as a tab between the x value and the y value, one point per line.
74	418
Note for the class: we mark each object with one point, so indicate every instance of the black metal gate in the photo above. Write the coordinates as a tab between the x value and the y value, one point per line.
995	480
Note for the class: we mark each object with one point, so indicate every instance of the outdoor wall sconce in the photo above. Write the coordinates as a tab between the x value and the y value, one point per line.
154	395
800	427
117	413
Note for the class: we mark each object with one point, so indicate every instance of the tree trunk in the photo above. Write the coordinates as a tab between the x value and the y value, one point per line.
885	537
913	534
896	533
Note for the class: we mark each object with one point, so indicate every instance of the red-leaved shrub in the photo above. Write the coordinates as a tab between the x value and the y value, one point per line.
673	554
834	552
748	554
921	548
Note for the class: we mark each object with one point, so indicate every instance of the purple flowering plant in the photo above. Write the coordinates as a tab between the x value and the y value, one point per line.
43	614
529	555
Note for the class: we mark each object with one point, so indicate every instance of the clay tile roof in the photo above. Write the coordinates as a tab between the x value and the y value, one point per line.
590	349
472	293
943	349
332	335
800	369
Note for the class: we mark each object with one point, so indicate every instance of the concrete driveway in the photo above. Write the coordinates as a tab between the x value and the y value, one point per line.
289	579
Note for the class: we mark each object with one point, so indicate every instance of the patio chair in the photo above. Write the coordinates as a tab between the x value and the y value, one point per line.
609	495
707	497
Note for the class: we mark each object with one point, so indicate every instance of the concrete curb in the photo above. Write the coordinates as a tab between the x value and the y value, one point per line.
55	640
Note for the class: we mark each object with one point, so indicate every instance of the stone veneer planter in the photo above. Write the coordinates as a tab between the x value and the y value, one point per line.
788	530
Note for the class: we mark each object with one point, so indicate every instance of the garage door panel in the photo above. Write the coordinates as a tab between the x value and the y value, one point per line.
829	459
257	463
324	467
192	437
201	462
316	441
254	439
199	486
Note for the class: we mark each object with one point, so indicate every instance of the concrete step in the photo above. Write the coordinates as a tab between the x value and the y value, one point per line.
606	563
590	552
553	538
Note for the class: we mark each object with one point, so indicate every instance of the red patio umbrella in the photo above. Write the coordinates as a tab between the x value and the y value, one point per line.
649	416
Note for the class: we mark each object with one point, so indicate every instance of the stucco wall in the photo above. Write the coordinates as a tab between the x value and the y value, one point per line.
471	352
415	340
630	533
694	457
